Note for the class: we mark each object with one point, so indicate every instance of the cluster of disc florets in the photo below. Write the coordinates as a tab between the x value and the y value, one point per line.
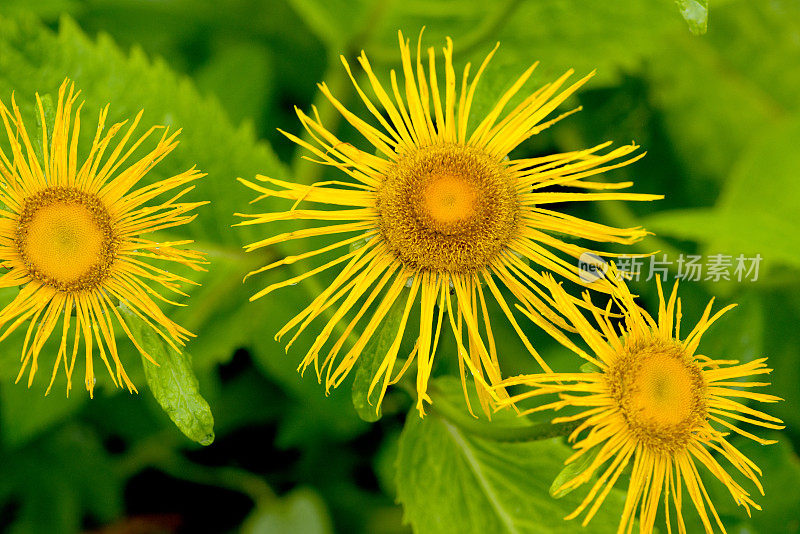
99	216
447	207
660	391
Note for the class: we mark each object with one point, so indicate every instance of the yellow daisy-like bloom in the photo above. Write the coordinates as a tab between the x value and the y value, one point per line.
439	207
652	402
70	238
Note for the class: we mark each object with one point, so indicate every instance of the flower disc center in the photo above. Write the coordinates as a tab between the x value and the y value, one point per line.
447	207
65	239
449	199
663	391
660	393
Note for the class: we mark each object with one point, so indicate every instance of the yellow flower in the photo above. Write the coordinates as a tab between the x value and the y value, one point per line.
652	402
440	208
70	238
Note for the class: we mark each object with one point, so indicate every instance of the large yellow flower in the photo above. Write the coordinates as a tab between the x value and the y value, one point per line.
442	210
70	237
652	401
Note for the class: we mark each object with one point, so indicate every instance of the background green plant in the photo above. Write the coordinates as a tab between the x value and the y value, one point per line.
718	114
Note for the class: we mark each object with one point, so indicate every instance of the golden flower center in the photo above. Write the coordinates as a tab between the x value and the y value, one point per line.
65	238
447	207
449	199
661	393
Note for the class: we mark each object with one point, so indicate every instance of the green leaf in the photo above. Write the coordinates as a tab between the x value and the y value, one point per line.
695	13
569	472
370	360
34	59
580	34
751	217
452	481
693	117
718	94
173	383
300	511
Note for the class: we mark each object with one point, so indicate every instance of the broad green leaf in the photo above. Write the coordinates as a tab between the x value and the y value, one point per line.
451	481
695	13
300	511
707	137
718	94
582	34
742	30
754	213
173	383
370	360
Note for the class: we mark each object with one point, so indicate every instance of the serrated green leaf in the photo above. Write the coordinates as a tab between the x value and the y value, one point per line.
695	13
34	59
173	383
369	361
451	481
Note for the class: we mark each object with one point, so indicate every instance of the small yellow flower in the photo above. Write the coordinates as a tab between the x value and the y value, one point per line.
443	210
70	238
652	401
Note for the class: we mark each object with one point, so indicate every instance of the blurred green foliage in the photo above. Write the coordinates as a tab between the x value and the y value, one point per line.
718	115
